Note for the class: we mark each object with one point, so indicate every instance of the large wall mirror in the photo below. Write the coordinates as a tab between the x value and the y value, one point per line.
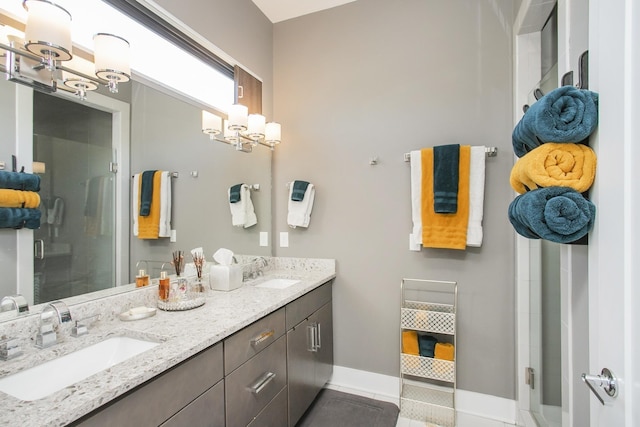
85	243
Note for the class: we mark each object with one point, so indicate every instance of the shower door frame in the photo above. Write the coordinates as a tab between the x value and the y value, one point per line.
120	112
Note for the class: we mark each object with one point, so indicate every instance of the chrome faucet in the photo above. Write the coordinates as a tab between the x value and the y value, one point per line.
47	335
14	302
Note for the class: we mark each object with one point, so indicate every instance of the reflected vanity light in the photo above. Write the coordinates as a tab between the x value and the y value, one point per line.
47	45
242	130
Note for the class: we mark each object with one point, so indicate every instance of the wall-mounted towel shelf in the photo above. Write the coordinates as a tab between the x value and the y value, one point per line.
490	152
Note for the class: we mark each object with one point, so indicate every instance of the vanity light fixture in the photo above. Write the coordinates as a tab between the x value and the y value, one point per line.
45	54
242	130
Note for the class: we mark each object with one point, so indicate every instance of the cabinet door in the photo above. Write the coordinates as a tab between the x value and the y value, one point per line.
323	319
248	90
301	371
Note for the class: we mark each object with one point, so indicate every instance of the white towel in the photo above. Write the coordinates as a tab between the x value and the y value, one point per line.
416	200
476	196
135	202
300	212
165	205
242	213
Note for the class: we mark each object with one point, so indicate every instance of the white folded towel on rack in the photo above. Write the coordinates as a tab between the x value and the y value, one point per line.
299	214
165	205
242	213
416	200
476	196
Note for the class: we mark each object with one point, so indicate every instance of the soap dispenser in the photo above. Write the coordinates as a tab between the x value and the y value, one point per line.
163	286
142	279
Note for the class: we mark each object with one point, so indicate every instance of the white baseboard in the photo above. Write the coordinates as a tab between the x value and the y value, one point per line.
468	402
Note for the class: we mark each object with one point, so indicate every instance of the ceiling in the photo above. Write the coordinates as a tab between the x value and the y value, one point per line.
281	10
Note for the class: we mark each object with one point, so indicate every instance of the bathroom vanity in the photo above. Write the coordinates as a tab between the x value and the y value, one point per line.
253	356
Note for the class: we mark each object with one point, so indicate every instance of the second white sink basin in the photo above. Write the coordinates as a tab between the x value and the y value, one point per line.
277	283
49	377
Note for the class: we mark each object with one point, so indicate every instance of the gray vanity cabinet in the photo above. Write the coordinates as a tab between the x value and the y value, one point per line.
309	349
190	394
256	371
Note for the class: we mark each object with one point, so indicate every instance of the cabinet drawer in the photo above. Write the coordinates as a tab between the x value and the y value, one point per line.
301	308
160	398
248	342
253	385
206	411
275	414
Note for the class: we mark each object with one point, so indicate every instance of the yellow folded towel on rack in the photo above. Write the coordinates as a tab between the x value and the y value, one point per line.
555	165
444	351
445	230
19	199
410	343
149	226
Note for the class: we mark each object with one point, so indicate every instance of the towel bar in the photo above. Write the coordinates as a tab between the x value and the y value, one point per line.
490	152
172	174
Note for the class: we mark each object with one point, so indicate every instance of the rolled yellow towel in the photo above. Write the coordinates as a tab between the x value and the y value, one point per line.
555	165
19	199
410	343
444	351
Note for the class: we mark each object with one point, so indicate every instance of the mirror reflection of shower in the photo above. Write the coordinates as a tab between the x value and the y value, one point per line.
74	247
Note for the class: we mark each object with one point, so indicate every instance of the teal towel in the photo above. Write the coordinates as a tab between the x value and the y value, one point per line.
19	218
427	345
446	159
557	214
146	192
234	193
565	114
19	181
299	188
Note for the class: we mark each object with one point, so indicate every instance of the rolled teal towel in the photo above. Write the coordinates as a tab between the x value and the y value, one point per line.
557	214
146	192
427	345
19	181
19	218
299	188
446	159
234	193
565	114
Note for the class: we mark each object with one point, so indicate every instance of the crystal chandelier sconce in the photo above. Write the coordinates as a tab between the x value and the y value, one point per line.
242	130
45	55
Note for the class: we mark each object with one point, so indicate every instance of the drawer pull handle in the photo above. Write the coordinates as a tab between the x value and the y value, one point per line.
262	337
262	382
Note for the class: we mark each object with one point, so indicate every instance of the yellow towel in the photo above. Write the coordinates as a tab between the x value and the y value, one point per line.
445	230
149	226
444	351
555	165
19	199
410	343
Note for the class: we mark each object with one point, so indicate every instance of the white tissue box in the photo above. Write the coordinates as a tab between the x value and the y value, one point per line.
225	277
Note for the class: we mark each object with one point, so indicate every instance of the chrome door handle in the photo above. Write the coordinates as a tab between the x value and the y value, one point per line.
38	243
311	338
606	382
318	336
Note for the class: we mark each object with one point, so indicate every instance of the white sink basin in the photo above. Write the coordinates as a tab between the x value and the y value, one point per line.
277	283
49	377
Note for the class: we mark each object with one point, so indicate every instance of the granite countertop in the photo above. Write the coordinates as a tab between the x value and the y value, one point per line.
181	334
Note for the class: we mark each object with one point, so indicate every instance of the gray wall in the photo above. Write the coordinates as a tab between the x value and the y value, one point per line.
378	78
